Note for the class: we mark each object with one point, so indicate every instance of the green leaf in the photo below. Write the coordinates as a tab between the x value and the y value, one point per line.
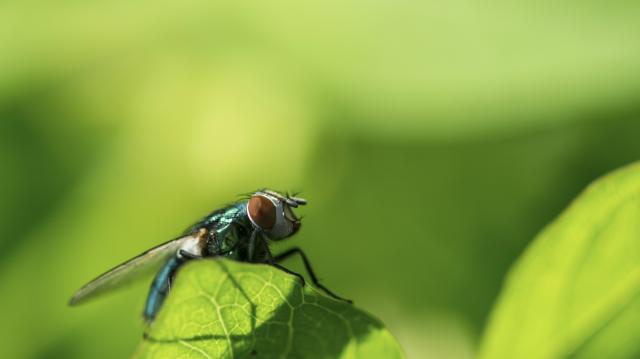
226	309
575	291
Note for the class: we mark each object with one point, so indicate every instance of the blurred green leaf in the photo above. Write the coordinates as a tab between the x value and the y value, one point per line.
574	293
224	309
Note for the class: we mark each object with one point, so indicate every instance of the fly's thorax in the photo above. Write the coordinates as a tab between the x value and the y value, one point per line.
228	239
217	218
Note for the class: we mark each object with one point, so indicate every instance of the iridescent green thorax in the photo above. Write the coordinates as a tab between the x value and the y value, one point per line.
221	217
229	231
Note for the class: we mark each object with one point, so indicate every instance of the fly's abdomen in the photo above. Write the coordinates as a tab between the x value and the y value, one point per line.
160	288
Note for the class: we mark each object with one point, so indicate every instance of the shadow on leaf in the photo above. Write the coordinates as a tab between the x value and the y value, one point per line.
226	309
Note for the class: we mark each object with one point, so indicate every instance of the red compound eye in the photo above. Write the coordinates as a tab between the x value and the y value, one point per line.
262	212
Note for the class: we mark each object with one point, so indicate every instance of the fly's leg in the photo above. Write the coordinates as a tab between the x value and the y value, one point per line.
286	270
252	245
273	262
187	255
282	256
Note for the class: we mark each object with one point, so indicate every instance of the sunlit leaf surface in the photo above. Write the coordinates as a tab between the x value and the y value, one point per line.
574	293
223	309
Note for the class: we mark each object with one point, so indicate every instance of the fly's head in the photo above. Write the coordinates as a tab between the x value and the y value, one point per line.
271	213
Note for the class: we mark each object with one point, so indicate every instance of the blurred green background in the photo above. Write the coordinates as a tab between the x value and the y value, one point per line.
432	140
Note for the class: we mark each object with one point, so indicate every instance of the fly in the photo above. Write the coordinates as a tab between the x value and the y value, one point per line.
240	231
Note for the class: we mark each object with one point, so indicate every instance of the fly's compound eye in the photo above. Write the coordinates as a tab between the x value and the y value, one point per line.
262	212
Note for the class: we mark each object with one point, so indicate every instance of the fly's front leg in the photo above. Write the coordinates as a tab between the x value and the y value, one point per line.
274	262
286	270
282	256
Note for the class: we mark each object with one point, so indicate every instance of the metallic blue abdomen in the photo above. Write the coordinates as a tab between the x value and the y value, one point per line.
160	287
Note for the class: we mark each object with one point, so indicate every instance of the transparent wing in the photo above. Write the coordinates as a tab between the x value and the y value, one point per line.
128	271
